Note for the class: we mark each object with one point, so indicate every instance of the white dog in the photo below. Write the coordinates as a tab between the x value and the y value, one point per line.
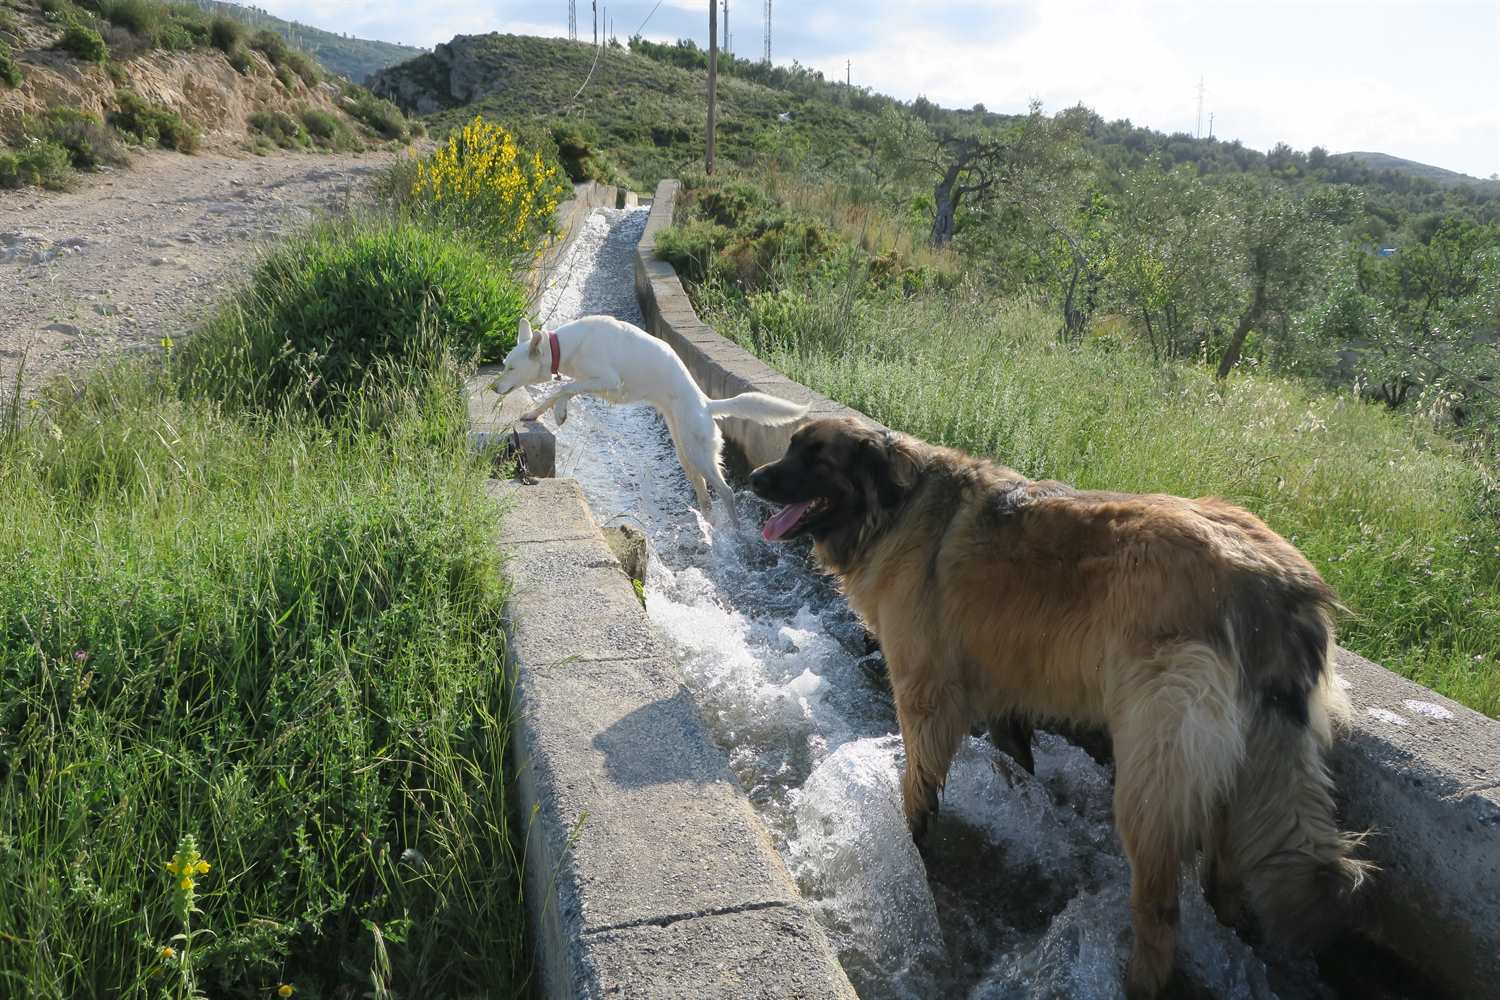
622	363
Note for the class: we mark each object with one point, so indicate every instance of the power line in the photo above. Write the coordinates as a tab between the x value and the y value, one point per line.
649	17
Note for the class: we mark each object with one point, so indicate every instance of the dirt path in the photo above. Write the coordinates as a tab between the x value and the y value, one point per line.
135	255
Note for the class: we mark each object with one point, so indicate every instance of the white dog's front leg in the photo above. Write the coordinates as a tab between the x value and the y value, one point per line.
559	400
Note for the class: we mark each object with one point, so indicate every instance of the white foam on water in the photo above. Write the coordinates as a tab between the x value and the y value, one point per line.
1024	892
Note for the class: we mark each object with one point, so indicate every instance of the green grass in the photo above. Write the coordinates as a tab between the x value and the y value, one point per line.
1402	523
282	637
83	42
37	161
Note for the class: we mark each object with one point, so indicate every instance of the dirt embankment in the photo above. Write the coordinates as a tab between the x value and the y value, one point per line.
138	254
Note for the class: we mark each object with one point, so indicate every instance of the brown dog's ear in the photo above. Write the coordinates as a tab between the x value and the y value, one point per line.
892	465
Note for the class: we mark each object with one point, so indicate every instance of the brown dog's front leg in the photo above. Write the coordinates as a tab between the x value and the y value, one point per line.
931	730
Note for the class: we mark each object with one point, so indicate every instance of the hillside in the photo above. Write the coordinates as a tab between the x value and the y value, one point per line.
648	115
84	86
352	58
1440	175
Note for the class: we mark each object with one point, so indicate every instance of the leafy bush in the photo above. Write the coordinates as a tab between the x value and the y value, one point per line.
692	248
578	152
37	161
328	309
240	59
152	124
89	142
328	130
226	34
84	43
381	115
485	184
281	128
10	73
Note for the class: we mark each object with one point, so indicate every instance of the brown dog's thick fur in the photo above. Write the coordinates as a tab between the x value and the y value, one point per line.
1197	636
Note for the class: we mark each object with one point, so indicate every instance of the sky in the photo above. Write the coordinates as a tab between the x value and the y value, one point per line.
1420	80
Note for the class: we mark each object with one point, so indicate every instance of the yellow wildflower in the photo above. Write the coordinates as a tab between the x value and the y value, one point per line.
285	990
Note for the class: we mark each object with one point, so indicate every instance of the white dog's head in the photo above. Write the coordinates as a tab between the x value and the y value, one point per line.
528	363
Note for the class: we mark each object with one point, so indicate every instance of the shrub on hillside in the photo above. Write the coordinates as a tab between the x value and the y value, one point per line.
328	130
226	34
578	152
381	115
327	310
10	73
39	162
151	124
281	128
83	42
89	142
240	59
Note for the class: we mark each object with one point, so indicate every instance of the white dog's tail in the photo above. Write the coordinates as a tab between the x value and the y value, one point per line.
757	407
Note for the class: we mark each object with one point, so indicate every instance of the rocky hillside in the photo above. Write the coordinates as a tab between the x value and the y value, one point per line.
647	118
86	83
352	58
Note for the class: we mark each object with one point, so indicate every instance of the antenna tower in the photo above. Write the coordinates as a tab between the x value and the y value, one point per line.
573	20
1198	133
768	32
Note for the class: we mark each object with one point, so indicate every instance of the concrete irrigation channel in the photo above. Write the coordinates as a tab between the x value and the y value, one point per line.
708	764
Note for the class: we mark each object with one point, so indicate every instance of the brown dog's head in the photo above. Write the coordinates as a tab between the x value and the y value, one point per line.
836	477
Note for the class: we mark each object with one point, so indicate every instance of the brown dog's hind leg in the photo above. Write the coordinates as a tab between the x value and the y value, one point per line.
931	730
1223	885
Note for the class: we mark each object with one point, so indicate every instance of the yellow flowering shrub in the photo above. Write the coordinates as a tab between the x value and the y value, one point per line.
484	182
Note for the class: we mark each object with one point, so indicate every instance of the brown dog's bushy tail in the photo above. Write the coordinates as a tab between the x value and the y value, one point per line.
1298	868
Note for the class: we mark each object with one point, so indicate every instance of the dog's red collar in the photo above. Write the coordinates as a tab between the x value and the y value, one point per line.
556	350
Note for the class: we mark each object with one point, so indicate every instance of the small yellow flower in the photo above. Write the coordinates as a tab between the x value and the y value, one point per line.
187	884
202	867
168	952
285	990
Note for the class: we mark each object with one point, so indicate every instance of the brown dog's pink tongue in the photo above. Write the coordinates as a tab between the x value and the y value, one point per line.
785	520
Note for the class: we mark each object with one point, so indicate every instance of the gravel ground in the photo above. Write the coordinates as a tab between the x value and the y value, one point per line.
135	255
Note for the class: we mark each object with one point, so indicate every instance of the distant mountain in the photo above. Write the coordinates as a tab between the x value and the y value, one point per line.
353	58
1438	175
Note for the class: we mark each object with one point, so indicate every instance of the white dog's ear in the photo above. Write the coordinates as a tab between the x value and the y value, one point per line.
532	338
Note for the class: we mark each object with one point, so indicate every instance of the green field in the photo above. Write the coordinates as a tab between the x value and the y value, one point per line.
1401	520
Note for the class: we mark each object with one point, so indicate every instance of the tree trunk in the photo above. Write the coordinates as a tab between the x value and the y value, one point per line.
1072	318
1151	336
945	213
1241	331
713	86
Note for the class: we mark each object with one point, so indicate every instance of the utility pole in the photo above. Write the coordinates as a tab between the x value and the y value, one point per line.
713	83
1198	133
596	23
848	73
768	32
726	27
573	20
1210	124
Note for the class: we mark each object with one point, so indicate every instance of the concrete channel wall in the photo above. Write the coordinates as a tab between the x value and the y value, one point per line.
1417	769
648	873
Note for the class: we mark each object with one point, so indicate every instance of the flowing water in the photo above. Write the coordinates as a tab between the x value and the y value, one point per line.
1025	890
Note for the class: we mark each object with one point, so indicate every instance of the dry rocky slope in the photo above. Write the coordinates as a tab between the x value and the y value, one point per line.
200	85
137	255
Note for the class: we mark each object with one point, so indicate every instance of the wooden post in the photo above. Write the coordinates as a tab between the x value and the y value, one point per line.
713	82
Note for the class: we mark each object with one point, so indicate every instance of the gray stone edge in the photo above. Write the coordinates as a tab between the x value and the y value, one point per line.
1427	787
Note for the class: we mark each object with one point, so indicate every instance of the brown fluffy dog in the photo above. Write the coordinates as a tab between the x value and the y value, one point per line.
1191	631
